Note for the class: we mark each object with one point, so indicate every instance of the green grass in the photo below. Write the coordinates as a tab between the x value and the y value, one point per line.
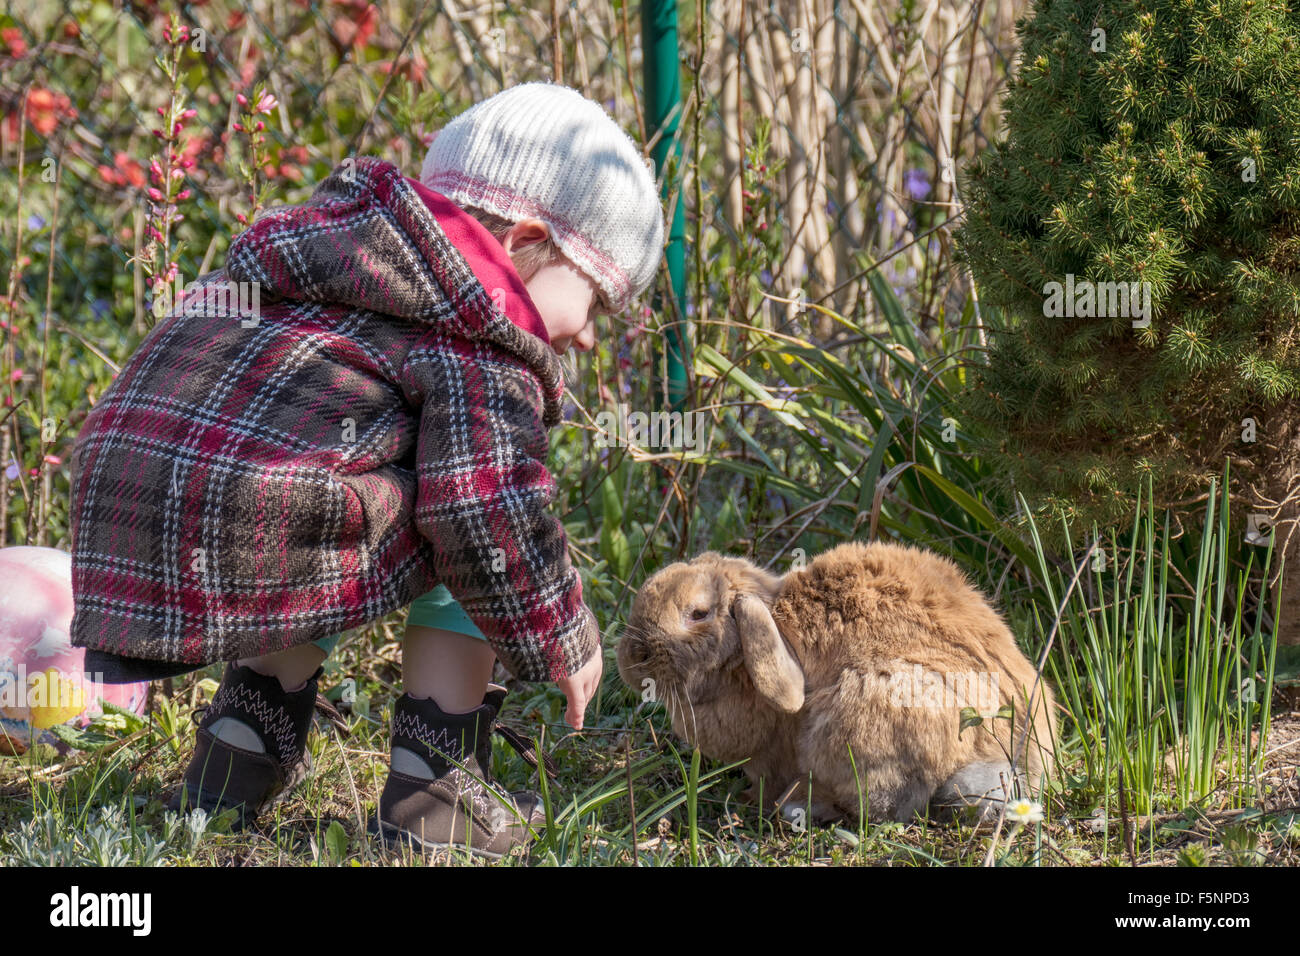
104	806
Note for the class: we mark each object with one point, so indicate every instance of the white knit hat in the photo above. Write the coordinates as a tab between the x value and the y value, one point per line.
545	151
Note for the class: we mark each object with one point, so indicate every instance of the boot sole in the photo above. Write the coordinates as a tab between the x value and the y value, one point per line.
394	837
214	804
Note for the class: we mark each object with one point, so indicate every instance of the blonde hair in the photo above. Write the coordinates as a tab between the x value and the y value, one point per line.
530	258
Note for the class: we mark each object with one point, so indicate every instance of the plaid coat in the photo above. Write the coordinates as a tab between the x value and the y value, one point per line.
363	418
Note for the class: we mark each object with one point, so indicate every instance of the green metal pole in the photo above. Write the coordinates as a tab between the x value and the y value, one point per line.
663	96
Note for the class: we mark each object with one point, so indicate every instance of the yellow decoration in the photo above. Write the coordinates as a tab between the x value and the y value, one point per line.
54	699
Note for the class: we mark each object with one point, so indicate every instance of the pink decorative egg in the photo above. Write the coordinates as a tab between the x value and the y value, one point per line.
41	678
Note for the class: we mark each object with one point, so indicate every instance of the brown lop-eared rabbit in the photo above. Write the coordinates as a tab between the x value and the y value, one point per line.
875	647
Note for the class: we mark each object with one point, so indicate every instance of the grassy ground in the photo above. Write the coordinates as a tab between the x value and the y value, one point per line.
105	806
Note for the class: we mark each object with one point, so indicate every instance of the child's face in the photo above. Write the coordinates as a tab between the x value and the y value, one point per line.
567	298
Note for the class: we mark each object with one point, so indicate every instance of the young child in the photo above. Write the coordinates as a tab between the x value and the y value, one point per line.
352	417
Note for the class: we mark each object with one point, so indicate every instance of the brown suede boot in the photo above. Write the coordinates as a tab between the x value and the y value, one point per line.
457	803
222	774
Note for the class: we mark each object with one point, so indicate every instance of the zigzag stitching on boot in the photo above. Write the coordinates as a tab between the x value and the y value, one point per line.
410	725
440	739
274	720
467	785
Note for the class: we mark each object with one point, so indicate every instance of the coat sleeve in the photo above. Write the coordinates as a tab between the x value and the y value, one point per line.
483	502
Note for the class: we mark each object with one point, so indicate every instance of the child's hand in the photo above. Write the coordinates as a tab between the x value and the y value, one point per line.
580	687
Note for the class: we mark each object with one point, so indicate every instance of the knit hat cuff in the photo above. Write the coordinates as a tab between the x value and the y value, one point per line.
490	263
509	204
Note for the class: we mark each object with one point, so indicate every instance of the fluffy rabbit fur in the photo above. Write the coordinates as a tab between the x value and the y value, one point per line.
793	671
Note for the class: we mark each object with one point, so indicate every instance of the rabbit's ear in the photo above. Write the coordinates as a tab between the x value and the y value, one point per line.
775	672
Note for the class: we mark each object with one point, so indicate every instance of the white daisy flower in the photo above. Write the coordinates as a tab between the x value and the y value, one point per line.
1025	811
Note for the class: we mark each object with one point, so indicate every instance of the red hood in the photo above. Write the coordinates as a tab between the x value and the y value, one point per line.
487	257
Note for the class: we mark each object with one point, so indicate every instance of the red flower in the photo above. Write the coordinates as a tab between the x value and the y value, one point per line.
125	171
192	149
356	27
413	68
131	172
45	107
12	38
71	30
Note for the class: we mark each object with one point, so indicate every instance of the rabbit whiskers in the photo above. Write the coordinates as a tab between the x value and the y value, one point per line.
693	736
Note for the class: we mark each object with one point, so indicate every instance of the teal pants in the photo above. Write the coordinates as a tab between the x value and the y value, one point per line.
435	609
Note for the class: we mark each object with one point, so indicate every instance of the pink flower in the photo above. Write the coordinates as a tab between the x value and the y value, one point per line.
54	459
241	99
266	104
17	375
12	38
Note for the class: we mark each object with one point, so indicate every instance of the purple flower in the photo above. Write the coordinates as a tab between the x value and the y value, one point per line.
12	471
99	308
832	207
916	184
765	277
889	219
35	222
690	308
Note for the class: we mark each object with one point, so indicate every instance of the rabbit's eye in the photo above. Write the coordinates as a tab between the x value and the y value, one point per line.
700	613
